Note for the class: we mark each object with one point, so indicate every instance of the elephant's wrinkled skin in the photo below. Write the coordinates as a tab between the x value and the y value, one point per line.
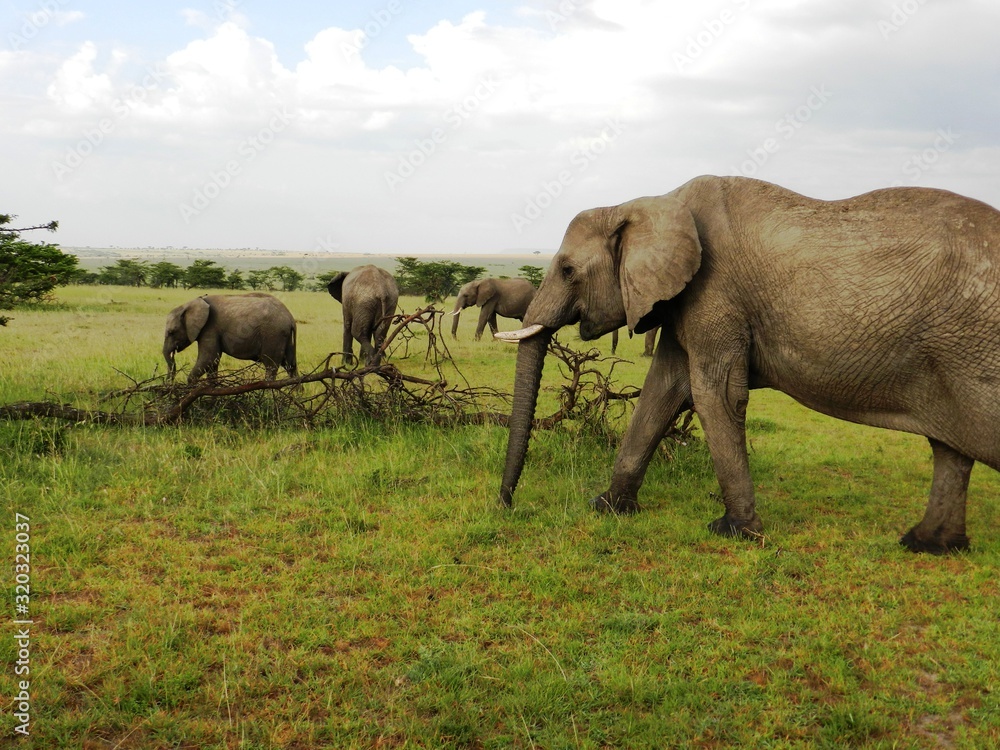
505	297
369	295
882	309
253	326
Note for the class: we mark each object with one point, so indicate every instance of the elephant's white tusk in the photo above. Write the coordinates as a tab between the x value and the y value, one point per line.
513	337
453	312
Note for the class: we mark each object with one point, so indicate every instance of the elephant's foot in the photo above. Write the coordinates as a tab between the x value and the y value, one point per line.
607	502
751	528
940	543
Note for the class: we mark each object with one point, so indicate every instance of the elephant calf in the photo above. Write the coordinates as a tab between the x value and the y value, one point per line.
369	295
254	326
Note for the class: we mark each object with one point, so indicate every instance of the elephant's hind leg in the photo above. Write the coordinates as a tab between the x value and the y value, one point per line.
720	397
270	369
943	526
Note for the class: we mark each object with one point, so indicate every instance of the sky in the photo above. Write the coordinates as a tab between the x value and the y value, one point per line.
471	126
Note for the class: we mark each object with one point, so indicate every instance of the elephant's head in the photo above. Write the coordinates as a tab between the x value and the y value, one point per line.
336	286
474	293
615	267
184	325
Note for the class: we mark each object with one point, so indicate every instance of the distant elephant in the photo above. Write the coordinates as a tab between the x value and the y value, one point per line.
648	344
882	309
506	297
369	295
252	326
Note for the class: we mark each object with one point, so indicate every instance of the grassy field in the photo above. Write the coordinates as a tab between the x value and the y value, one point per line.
358	587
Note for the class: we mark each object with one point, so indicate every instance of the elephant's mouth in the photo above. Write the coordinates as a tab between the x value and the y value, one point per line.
590	330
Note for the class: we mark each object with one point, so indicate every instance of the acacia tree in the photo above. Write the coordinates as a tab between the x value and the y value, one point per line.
235	280
435	280
204	274
534	274
260	279
125	272
165	274
290	278
29	271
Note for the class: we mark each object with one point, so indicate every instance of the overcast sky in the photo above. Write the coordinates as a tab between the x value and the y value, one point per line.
471	125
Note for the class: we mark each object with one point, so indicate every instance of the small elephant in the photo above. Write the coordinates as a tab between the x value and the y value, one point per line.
253	326
880	309
506	297
369	295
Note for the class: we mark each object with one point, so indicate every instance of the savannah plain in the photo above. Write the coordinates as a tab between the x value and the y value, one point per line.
355	585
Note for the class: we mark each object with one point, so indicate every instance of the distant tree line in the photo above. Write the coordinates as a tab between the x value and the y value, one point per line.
30	271
435	281
201	274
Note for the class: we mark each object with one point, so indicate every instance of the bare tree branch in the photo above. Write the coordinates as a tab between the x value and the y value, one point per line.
587	394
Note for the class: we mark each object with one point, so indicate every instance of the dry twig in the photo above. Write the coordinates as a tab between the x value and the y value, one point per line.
382	392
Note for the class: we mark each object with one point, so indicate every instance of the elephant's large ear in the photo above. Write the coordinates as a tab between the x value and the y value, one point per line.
485	291
195	317
660	254
336	285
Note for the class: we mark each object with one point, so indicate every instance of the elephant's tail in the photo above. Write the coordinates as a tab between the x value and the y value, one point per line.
291	364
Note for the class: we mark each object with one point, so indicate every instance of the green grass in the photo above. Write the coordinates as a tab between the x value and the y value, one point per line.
357	587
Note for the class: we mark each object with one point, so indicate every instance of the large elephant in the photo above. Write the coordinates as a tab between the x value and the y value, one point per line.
506	297
369	295
882	309
253	326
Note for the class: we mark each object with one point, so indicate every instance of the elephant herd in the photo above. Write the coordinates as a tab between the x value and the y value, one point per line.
258	327
882	309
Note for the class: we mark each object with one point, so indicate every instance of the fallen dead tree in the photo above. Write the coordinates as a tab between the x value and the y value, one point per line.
383	392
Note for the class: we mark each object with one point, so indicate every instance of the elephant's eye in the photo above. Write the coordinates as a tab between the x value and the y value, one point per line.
567	272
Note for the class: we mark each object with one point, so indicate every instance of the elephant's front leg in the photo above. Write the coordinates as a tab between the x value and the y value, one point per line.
206	363
486	316
665	393
943	526
720	397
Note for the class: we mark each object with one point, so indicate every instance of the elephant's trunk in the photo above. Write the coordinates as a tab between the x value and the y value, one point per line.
168	354
528	378
454	321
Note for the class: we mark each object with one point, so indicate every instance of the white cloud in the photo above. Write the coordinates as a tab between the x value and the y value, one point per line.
76	85
67	17
493	113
